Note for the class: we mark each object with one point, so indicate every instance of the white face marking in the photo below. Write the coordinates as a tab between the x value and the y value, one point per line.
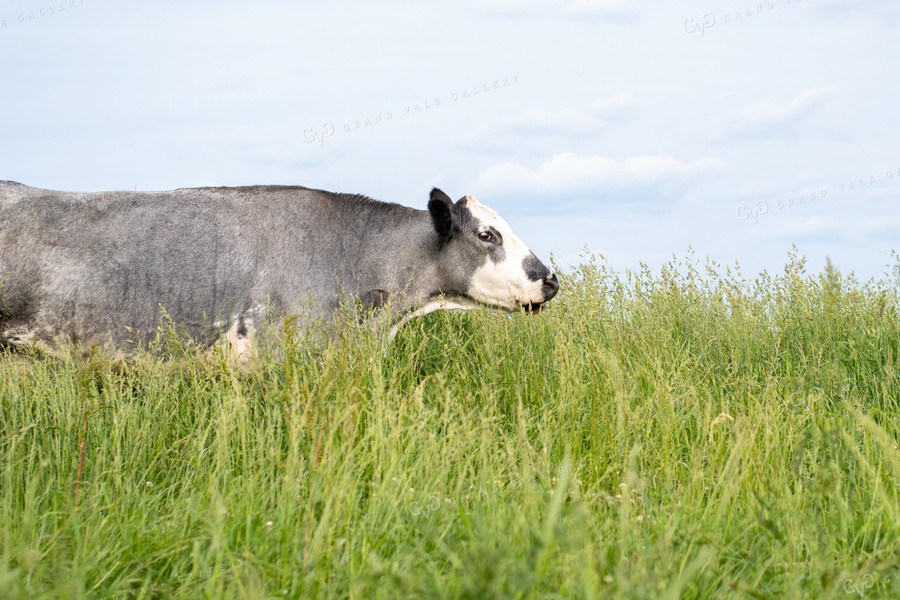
504	284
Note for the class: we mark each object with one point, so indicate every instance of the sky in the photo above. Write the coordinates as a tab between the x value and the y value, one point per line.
640	131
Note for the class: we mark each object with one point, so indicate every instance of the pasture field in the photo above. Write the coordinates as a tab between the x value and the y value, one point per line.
686	433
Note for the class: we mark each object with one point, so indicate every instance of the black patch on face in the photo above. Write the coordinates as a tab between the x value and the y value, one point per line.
497	253
465	221
462	217
241	328
534	268
461	255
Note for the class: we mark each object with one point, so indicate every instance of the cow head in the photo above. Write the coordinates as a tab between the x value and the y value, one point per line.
483	260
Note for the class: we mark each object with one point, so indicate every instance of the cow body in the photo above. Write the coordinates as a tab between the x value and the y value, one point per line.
103	266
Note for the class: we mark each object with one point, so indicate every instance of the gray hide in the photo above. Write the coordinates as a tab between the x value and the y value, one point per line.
100	266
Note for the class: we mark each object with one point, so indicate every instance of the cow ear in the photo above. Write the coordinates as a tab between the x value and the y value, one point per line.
439	206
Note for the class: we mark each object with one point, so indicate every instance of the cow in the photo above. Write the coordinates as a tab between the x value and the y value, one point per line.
221	262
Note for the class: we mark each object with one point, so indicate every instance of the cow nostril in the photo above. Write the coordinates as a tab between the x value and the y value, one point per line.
551	286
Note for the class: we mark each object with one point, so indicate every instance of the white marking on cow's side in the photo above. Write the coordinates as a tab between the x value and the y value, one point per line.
19	337
443	303
504	284
239	349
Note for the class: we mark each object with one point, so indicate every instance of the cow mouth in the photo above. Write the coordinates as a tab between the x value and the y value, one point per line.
533	308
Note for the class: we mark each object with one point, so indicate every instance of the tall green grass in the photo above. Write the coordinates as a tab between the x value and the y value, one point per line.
690	433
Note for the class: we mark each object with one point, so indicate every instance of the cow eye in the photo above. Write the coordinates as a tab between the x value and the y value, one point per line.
487	236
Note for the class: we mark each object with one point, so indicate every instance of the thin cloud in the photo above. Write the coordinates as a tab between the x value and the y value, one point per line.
615	107
769	116
614	10
569	172
796	229
847	227
881	10
769	112
538	121
570	122
604	9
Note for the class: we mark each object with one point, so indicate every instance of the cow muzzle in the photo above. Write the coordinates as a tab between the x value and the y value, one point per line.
549	288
